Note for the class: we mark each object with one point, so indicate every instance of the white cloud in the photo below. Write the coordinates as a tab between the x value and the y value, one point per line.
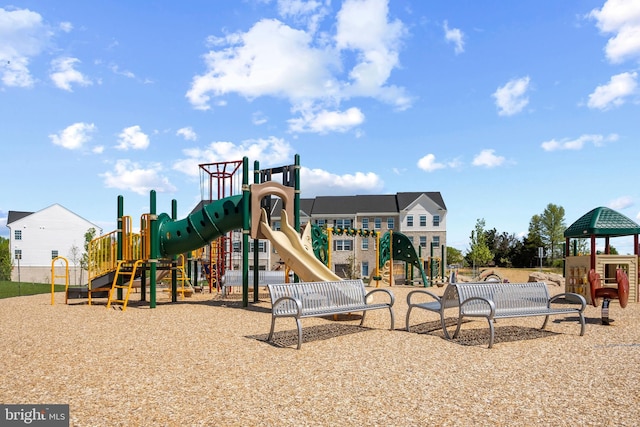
327	121
309	69
23	36
455	36
579	143
66	27
258	118
187	133
622	19
363	28
271	59
428	163
270	151
128	175
132	137
308	13
75	136
126	73
613	94
319	182
620	203
511	98
64	74
488	159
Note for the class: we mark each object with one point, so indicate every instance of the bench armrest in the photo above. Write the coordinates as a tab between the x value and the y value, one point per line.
570	296
411	295
387	291
284	300
490	306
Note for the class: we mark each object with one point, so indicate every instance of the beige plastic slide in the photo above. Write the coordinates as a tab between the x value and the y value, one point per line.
289	246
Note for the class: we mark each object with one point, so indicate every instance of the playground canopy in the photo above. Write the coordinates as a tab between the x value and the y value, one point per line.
602	222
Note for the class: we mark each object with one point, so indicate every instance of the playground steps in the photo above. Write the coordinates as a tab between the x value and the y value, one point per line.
184	286
124	269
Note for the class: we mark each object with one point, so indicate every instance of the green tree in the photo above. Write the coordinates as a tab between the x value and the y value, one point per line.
479	253
5	259
454	256
552	228
84	259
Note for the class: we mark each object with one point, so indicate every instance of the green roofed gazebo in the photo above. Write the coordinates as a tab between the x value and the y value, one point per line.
601	222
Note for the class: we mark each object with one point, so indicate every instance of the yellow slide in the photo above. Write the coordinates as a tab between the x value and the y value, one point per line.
289	246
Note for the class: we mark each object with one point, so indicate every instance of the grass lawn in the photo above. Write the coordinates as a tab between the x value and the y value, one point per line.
16	289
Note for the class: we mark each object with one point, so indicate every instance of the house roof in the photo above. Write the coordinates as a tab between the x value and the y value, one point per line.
405	199
336	205
350	205
16	215
602	221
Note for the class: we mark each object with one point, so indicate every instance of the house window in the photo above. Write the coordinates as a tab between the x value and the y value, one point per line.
436	241
343	223
423	220
262	246
365	268
423	241
276	225
236	246
409	220
436	220
377	223
365	243
18	235
321	222
391	223
365	223
54	254
343	245
18	253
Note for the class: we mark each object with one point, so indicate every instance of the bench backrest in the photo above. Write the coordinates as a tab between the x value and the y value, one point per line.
234	277
315	295
507	297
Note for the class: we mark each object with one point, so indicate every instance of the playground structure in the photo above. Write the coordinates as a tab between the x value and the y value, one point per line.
168	250
604	223
121	258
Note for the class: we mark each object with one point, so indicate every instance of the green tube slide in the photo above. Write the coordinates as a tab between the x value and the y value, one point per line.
199	228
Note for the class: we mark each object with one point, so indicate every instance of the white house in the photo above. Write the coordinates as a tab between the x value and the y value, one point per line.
36	238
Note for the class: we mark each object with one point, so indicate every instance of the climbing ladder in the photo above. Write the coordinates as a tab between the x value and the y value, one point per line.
124	269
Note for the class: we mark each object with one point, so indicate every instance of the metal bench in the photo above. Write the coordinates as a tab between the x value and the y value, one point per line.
233	278
495	300
318	299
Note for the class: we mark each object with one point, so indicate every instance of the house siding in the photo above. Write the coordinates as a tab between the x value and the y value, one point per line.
54	228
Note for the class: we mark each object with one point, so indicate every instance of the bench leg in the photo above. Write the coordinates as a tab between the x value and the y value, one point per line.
491	333
299	325
273	324
544	324
407	318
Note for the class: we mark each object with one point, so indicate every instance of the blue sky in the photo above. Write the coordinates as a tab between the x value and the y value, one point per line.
502	106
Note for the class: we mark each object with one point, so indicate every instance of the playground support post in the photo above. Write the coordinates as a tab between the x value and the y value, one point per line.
155	250
174	261
256	241
245	231
296	198
120	235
